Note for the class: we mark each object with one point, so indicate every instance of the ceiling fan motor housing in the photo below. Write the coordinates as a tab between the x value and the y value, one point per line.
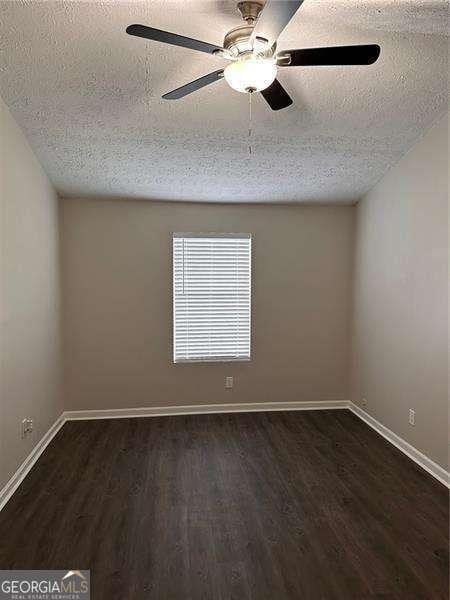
238	41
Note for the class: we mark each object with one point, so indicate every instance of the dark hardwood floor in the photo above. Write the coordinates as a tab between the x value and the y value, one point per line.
294	505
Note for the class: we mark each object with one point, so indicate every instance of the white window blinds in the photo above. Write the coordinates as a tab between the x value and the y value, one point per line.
211	297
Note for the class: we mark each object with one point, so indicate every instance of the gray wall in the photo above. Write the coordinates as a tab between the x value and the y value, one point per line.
29	298
400	339
116	259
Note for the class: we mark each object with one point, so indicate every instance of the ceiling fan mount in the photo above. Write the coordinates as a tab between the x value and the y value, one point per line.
251	51
250	10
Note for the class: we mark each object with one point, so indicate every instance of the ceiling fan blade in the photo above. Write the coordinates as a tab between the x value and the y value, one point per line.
334	55
158	35
274	17
276	96
193	86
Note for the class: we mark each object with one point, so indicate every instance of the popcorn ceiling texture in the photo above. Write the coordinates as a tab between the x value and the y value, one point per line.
88	98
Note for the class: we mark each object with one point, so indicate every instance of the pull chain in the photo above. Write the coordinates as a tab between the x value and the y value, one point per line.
250	123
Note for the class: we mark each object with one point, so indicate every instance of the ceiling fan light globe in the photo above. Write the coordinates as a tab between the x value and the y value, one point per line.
250	74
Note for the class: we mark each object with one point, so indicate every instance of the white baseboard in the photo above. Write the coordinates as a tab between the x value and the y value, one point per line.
198	409
418	457
120	413
11	486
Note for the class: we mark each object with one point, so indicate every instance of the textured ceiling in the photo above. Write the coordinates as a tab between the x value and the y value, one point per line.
89	99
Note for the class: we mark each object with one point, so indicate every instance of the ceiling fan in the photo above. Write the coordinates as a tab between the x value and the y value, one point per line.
252	52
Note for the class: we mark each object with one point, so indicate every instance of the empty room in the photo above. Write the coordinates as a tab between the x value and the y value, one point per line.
224	300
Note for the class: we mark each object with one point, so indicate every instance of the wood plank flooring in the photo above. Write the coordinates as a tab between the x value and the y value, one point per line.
294	505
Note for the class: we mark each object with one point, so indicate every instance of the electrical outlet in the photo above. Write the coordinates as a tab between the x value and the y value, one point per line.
363	402
228	383
27	427
412	416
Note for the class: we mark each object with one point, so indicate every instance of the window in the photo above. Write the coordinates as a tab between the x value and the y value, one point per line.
211	297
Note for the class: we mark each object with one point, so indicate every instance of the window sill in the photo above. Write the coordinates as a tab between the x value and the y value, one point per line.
201	361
